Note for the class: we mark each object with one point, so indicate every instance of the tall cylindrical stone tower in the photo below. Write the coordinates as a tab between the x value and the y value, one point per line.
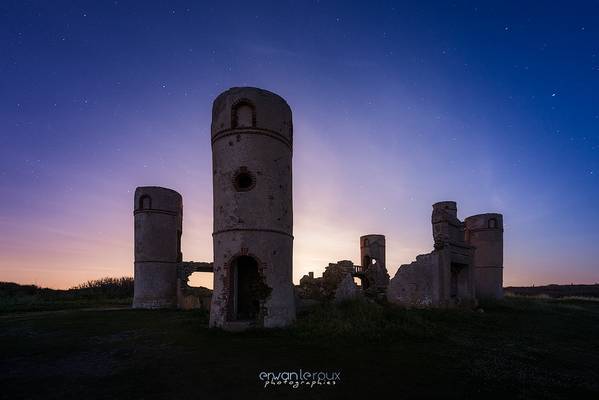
158	226
485	233
252	137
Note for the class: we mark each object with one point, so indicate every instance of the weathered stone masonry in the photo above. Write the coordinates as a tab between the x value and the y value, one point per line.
158	227
466	263
252	139
485	233
161	275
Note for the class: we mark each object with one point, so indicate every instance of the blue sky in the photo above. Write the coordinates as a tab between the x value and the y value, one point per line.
396	105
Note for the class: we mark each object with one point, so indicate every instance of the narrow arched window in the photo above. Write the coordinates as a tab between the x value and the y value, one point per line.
243	115
492	223
145	202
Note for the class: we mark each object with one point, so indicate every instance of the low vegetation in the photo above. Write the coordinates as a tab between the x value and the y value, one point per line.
517	348
556	291
103	292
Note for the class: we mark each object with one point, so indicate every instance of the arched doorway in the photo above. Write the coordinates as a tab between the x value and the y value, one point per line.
248	289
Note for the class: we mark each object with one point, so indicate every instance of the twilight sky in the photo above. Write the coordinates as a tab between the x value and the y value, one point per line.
396	105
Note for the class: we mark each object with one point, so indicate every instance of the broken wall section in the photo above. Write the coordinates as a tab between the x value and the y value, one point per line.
337	282
444	277
189	298
413	284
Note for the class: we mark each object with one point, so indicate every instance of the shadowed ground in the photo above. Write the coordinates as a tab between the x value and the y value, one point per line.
521	348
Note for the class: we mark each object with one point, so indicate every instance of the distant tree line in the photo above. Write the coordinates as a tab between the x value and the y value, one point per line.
556	291
106	288
103	288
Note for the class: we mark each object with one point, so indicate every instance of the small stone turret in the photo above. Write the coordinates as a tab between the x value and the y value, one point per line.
485	233
372	247
158	227
374	271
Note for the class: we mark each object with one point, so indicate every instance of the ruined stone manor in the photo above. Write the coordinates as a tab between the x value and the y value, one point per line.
252	146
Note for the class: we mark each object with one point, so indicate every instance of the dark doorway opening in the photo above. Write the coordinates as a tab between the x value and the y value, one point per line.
247	289
458	281
454	281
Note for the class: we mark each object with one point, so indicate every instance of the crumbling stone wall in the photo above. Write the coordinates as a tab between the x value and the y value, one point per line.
336	275
347	289
311	288
414	284
192	297
444	277
333	274
334	283
325	288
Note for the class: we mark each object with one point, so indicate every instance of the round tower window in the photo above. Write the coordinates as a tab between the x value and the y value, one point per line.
244	180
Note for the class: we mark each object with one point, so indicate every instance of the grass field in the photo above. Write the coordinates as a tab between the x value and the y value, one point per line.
516	348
